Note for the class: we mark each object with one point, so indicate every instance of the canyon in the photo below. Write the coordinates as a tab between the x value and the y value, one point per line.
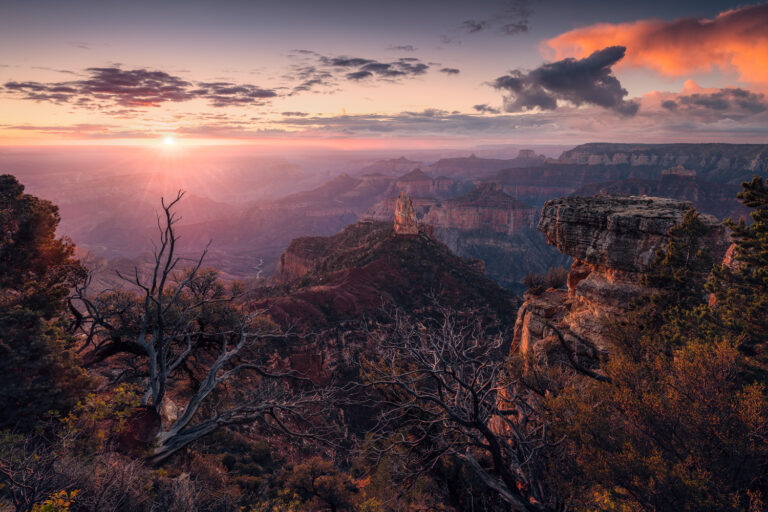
251	209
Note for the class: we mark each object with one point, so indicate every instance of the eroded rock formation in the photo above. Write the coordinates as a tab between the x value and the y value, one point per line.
613	241
405	216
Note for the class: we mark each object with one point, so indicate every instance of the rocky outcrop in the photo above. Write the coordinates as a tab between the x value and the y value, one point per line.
613	241
621	233
405	216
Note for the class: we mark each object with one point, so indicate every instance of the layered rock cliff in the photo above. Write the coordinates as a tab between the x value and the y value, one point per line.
486	207
490	225
613	241
718	199
716	162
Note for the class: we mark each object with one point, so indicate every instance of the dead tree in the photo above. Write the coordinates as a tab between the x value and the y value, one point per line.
447	391
161	324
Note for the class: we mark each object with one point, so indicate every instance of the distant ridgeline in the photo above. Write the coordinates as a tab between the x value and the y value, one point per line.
722	163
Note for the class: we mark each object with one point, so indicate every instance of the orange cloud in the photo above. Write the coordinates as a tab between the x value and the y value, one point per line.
734	41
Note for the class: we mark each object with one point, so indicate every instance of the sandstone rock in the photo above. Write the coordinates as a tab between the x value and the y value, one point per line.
613	241
405	216
538	312
621	233
729	260
169	412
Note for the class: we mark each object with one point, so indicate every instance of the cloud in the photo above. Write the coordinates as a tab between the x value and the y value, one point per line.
696	104
315	72
512	19
450	71
585	81
402	48
133	88
367	68
222	94
735	40
486	109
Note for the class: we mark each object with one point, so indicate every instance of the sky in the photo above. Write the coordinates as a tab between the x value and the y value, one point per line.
362	74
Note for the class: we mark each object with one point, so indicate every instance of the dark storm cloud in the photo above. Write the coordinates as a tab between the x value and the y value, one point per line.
450	71
728	103
486	109
138	88
584	81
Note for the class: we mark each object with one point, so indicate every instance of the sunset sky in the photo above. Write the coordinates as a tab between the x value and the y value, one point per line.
432	72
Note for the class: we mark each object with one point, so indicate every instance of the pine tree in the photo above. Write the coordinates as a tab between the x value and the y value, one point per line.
741	288
38	370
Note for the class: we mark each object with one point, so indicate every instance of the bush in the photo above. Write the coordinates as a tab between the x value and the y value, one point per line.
556	277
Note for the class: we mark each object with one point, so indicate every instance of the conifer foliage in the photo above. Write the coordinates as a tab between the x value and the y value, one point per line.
38	371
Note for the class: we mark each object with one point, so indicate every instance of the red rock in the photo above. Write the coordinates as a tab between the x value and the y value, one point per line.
405	216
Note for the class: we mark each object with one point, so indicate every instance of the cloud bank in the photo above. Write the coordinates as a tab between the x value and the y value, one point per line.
734	41
137	88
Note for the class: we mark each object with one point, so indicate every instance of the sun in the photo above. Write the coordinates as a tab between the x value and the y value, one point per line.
169	141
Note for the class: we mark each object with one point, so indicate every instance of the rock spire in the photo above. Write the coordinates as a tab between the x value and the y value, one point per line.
405	216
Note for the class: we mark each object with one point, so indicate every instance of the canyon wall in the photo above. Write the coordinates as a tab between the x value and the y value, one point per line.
488	225
718	199
716	162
